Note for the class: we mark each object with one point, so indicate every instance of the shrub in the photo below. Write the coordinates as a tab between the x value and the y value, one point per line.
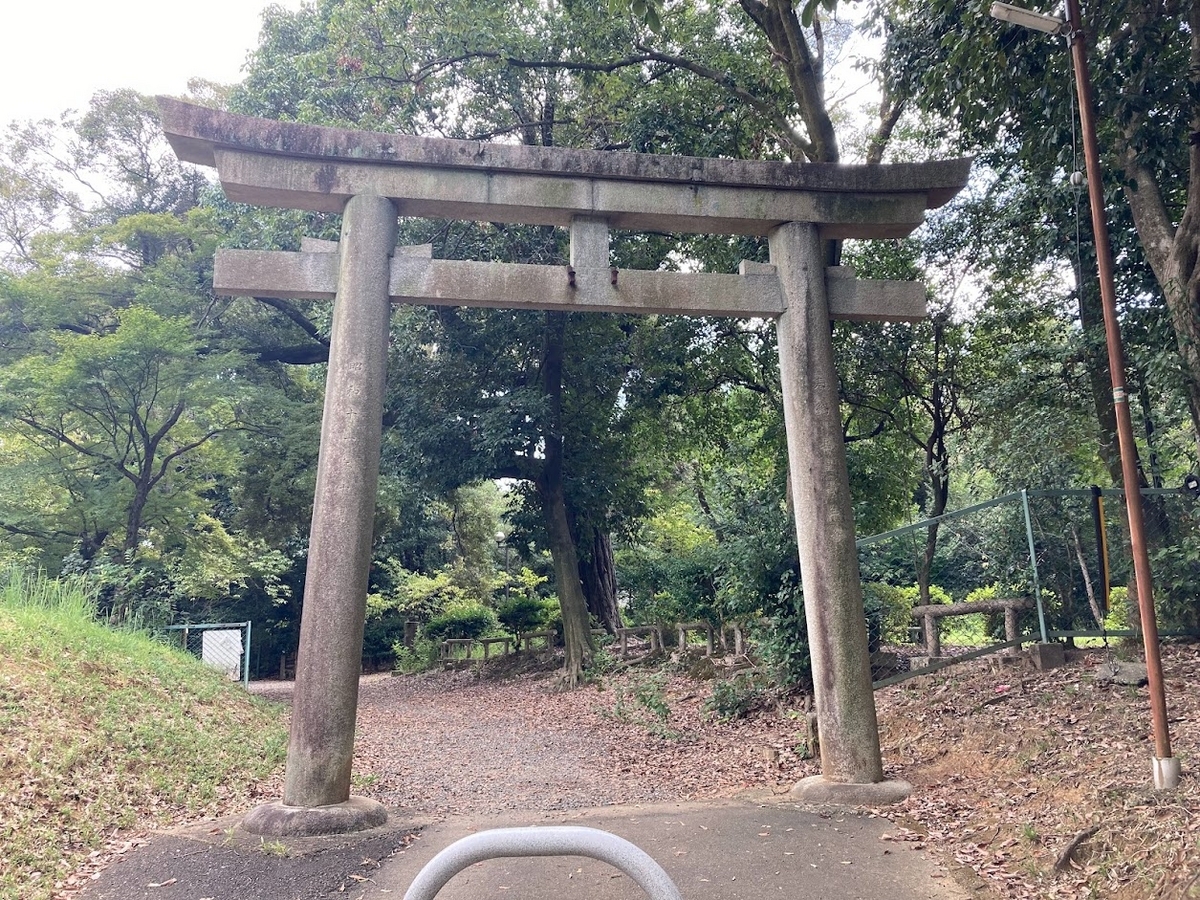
417	658
461	620
644	703
733	698
782	641
1122	610
889	613
521	615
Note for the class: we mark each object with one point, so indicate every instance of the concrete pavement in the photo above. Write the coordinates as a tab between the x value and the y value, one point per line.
719	850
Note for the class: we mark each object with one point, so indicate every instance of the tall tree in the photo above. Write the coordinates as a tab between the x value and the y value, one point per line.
122	413
977	76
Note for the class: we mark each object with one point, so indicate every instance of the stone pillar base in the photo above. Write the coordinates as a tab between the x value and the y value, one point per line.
920	662
819	789
277	820
1047	656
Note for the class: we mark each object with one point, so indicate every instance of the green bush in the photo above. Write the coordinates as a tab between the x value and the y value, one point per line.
417	658
461	620
520	615
782	640
644	703
1120	613
889	613
733	698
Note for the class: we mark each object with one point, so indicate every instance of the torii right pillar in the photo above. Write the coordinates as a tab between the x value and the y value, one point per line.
851	764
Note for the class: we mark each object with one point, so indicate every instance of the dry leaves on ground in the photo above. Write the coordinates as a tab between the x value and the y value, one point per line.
1011	767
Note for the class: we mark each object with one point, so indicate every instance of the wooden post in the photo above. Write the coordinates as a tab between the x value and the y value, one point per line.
933	637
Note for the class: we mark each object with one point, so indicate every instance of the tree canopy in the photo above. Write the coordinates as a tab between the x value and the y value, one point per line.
163	438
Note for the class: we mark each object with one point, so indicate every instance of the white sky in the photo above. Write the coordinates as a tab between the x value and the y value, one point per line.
54	54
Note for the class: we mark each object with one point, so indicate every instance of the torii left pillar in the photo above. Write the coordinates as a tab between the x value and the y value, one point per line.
316	794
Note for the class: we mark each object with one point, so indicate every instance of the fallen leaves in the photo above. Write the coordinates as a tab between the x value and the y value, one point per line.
1048	795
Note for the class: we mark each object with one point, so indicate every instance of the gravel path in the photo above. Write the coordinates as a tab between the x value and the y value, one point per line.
450	744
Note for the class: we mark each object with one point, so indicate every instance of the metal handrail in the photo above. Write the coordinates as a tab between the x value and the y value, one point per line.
556	840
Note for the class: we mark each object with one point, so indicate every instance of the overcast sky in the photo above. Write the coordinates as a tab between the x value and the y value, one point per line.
54	54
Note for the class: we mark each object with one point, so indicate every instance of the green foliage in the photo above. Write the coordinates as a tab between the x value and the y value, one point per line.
912	595
421	656
889	612
108	730
1176	568
417	596
733	698
643	703
1121	614
72	599
520	615
462	619
966	631
782	641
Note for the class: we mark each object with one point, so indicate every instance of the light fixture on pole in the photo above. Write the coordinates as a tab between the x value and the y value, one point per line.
1166	766
1027	18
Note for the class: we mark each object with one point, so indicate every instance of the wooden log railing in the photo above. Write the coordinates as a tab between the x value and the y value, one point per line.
452	648
684	628
653	631
547	638
930	614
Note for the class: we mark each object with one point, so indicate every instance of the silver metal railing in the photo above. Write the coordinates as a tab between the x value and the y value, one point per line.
557	840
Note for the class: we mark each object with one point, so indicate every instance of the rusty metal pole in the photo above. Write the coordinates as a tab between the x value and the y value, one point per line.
1166	767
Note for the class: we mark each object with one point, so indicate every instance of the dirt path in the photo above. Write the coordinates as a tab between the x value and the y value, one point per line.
448	744
1010	766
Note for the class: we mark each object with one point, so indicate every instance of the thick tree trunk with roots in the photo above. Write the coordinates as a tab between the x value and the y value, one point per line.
577	635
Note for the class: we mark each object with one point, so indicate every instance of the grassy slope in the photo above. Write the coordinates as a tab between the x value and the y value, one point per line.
103	730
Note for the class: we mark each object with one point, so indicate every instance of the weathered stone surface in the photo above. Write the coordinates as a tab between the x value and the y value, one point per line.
196	131
277	819
873	300
321	744
313	276
833	605
589	243
1115	671
416	278
265	162
483	196
922	662
819	789
1047	656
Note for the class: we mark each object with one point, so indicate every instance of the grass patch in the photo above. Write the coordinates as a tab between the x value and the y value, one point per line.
965	631
104	729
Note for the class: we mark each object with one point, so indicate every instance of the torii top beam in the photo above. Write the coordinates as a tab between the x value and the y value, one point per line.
269	163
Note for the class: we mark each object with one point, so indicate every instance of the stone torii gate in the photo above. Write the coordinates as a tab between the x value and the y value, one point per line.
372	179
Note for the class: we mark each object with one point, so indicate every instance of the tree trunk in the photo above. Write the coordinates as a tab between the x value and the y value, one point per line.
598	573
577	635
1173	252
1091	318
133	516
